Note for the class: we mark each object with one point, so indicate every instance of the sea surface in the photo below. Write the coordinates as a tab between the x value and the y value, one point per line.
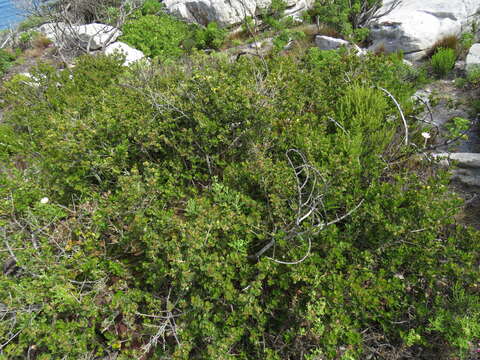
9	14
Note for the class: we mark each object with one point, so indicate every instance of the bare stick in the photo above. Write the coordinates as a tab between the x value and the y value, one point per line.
298	261
309	206
401	112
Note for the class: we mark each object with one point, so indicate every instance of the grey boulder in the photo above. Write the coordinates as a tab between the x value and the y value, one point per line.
131	54
228	12
414	26
90	37
472	61
329	43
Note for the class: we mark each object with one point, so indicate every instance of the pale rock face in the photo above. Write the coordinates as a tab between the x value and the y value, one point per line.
97	35
91	36
131	55
467	171
414	26
473	58
227	12
329	43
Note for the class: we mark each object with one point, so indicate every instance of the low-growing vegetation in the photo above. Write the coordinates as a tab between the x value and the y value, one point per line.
154	212
160	35
6	60
350	18
204	206
443	61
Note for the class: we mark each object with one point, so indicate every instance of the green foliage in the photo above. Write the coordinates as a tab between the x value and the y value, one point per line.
152	7
6	60
25	38
163	183
467	39
457	126
209	37
277	8
442	61
248	25
473	76
157	36
161	35
284	37
274	15
345	16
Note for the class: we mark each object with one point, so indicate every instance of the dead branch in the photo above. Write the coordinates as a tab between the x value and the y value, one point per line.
64	17
430	114
167	325
311	188
370	13
400	111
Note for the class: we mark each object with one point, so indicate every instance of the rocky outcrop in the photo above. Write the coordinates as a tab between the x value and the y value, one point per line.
473	58
467	167
227	12
131	54
90	37
414	26
329	43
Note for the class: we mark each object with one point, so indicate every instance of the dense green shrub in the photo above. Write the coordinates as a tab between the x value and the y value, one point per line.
457	126
443	61
473	77
156	35
346	16
273	16
163	184
161	35
209	37
152	7
6	60
467	39
285	37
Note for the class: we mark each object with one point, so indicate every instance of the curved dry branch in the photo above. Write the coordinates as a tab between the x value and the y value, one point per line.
400	110
298	261
310	189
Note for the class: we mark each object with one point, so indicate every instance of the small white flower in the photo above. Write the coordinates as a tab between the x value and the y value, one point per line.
44	200
399	276
426	135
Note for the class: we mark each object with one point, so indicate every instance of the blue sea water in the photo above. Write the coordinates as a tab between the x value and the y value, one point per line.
9	14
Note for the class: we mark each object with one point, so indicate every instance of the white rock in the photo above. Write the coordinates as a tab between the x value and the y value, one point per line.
94	36
414	26
227	12
330	43
473	58
463	160
52	31
256	45
131	54
90	36
467	171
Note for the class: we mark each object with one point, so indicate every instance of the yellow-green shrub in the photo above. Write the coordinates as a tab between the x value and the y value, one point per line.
163	184
443	61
